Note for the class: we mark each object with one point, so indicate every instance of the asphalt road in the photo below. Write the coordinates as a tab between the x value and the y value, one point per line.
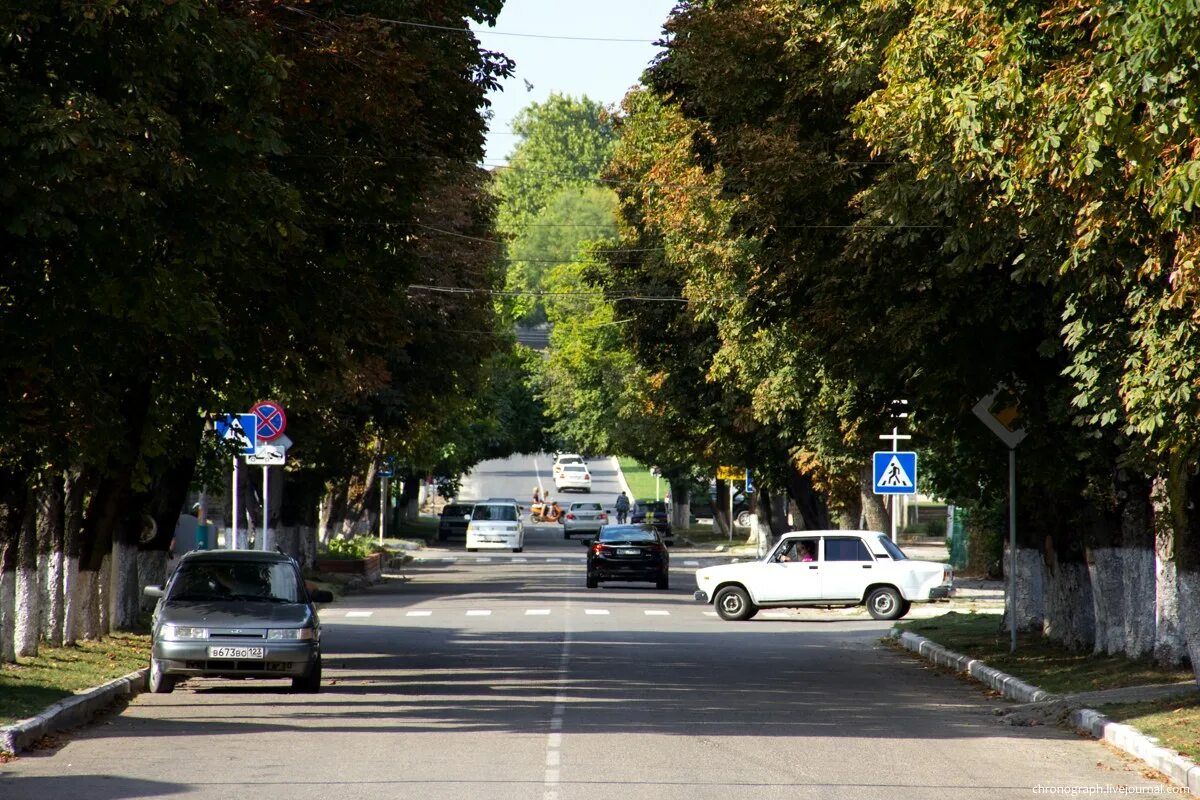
501	676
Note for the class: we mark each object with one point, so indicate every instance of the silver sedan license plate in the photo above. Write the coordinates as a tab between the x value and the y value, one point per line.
236	652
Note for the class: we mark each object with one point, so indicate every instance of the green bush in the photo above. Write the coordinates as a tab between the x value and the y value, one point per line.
356	547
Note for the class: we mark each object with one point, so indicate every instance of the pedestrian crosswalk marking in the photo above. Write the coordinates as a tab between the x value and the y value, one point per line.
656	613
894	475
359	613
479	612
536	612
596	611
418	614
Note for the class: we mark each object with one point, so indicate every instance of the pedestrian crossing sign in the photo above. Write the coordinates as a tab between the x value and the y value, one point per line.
895	473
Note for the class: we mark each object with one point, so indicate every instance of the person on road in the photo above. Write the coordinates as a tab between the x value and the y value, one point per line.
537	495
622	508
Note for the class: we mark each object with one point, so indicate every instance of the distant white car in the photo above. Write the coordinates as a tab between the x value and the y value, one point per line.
825	568
562	459
496	525
573	476
587	518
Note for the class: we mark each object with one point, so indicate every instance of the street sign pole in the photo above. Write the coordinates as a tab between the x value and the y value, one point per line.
1012	546
895	436
383	490
233	532
266	526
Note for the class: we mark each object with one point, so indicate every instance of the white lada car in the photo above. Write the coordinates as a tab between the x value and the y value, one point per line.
825	568
495	524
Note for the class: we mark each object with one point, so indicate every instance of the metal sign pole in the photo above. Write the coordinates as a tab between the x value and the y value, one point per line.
1012	547
233	531
266	525
729	485
383	486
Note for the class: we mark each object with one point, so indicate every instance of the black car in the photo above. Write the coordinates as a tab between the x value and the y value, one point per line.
628	553
653	513
453	521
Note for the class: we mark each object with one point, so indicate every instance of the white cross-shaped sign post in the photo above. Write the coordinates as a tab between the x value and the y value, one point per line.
895	436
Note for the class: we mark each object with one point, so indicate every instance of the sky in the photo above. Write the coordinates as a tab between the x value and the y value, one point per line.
603	71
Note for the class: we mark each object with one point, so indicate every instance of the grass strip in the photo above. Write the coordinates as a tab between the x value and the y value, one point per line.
1038	660
32	684
1174	722
641	482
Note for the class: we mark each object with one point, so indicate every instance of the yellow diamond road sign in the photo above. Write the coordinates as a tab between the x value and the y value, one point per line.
731	473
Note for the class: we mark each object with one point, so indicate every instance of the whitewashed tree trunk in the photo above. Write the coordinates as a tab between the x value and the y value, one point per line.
1106	572
1139	602
104	597
124	601
1189	606
8	616
1170	647
27	631
92	619
151	571
72	627
1031	578
1068	605
27	594
52	597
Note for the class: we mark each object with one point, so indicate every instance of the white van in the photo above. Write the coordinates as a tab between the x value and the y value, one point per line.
495	525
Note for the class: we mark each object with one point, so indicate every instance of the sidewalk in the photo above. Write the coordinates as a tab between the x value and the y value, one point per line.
1042	707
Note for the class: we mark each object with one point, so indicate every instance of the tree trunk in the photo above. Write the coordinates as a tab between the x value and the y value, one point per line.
333	509
722	524
1068	600
28	593
51	559
681	504
814	510
410	496
88	601
1031	589
873	511
1138	545
75	491
8	602
124	602
1170	646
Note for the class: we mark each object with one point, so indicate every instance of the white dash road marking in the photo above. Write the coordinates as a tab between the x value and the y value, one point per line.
479	612
536	612
418	614
650	613
596	611
691	563
359	613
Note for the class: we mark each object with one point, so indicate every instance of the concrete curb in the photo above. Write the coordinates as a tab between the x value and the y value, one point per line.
70	712
1181	770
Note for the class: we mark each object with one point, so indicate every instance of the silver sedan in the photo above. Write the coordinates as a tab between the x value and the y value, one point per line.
586	518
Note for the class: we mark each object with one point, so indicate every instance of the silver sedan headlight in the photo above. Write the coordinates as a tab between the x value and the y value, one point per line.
290	634
182	632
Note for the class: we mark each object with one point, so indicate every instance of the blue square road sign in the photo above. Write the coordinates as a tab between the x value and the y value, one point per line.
895	473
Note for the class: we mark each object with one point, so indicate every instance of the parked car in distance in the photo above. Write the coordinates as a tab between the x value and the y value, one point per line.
496	525
653	513
235	614
573	476
835	569
589	518
628	553
453	520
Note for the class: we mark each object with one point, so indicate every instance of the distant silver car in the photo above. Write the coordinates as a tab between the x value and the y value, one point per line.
236	614
587	518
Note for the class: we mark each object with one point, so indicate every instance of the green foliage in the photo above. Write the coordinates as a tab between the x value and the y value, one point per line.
355	547
564	143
